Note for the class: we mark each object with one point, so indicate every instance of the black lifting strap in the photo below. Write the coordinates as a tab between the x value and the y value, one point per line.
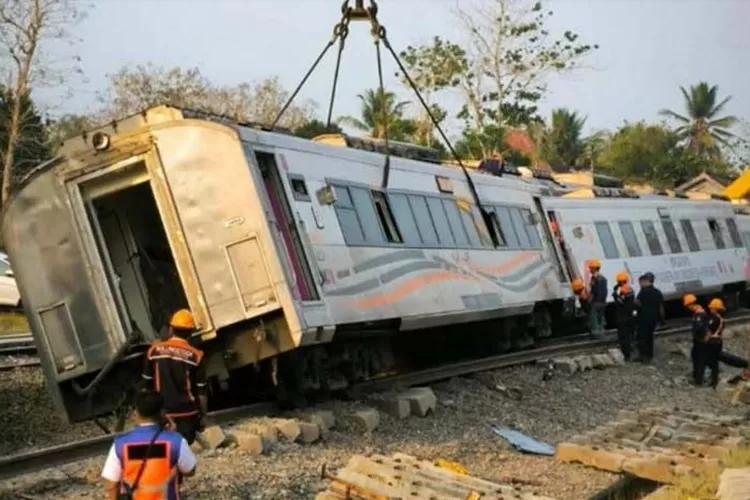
383	36
340	32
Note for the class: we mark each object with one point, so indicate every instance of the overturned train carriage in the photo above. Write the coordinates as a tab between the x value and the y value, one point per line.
277	244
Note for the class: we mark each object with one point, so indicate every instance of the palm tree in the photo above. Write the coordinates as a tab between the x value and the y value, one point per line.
701	127
562	142
373	120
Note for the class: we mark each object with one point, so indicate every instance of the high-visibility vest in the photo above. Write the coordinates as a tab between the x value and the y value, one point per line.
159	478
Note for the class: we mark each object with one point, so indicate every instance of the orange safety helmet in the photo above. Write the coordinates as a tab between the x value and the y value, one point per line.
716	305
594	264
689	299
622	277
182	320
576	285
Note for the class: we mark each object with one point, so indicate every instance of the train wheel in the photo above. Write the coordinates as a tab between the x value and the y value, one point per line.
541	322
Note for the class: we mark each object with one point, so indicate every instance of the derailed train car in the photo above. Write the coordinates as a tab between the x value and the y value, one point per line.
282	248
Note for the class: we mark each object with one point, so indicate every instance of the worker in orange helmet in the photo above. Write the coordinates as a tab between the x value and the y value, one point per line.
624	298
579	289
698	327
597	298
714	340
174	369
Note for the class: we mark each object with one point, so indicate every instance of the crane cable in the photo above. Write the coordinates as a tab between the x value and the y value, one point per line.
378	31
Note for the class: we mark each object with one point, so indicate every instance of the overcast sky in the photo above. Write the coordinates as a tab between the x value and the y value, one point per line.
647	48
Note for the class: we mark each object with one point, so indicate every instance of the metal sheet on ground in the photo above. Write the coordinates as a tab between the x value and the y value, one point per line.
403	476
658	444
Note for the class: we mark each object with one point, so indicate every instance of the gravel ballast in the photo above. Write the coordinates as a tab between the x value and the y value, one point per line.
459	430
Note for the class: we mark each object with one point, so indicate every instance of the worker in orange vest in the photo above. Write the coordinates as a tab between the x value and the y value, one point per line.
144	463
174	369
624	298
714	340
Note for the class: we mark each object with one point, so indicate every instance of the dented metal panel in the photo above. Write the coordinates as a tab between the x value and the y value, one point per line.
53	276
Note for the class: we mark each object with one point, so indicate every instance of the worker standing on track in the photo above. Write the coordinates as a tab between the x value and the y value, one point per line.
146	460
625	307
698	328
714	340
650	308
174	369
597	298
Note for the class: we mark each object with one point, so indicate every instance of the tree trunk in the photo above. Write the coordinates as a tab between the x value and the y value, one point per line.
11	152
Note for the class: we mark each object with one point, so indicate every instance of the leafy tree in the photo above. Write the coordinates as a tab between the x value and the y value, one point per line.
27	27
481	143
501	75
562	143
133	89
31	143
702	129
652	153
374	121
315	128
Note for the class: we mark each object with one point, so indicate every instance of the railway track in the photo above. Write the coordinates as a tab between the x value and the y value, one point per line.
47	458
16	343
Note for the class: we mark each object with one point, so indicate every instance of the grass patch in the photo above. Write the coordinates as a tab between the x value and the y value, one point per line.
13	322
705	484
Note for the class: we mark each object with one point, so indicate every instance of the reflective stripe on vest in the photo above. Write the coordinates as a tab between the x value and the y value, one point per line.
158	481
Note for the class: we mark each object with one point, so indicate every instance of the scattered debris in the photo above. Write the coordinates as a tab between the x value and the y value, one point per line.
379	477
522	442
658	444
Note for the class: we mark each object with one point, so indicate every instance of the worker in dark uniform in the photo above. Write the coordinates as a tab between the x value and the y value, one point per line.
597	298
174	369
650	308
714	340
625	308
698	328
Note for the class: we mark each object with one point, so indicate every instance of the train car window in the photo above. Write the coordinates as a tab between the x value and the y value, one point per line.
299	188
424	222
746	239
672	240
652	237
607	240
520	227
454	221
387	223
692	239
368	217
404	217
506	227
715	229
445	235
531	229
734	234
631	241
347	215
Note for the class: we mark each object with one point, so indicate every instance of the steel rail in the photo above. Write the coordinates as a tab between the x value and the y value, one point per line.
442	372
56	456
17	342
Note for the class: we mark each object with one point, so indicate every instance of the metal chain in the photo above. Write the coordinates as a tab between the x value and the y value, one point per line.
343	32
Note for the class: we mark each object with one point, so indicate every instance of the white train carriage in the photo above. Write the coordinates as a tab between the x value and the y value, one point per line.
690	245
274	242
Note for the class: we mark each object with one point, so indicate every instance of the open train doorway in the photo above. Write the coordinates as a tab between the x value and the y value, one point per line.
136	254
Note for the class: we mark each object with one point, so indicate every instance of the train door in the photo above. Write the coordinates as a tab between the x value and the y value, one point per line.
282	219
554	239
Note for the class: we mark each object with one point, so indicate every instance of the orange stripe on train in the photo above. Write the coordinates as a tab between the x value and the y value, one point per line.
409	287
505	267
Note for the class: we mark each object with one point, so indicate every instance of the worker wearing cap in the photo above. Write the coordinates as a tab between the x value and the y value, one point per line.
624	298
579	289
714	340
174	369
597	298
698	328
650	309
